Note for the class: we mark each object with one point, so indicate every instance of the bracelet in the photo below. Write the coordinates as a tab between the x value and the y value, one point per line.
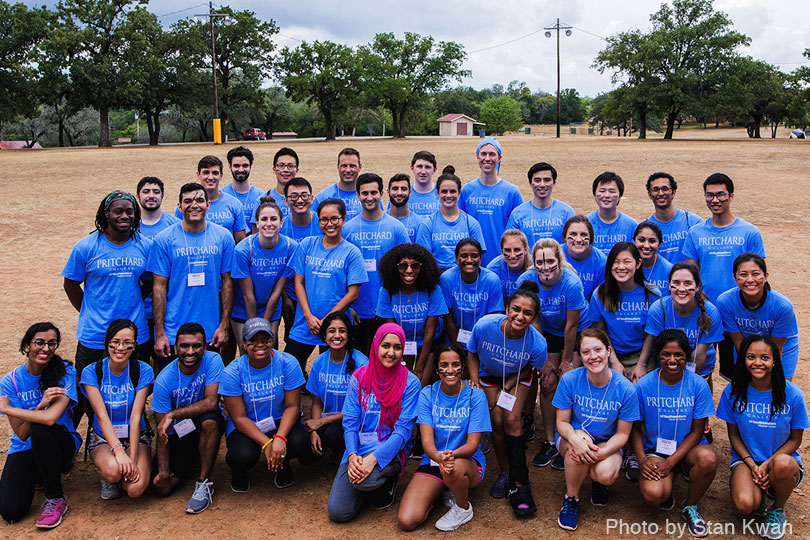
282	437
746	457
119	445
268	442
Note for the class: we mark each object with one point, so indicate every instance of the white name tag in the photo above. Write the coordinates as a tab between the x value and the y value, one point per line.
434	463
184	427
665	446
266	424
410	348
691	366
464	336
370	265
196	279
121	430
368	438
506	401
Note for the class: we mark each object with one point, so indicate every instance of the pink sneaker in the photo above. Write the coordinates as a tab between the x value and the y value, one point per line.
52	512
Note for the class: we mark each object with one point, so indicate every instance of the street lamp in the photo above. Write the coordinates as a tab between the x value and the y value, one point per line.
226	19
567	29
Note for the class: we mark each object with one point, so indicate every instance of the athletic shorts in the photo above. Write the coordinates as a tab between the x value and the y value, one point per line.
490	381
434	472
801	472
558	440
95	440
554	343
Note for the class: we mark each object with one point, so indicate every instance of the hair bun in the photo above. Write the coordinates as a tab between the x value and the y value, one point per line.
449	169
529	285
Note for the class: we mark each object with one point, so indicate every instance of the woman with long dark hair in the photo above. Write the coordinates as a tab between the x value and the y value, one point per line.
37	397
766	417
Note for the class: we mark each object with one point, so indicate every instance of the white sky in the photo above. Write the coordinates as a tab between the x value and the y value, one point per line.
779	30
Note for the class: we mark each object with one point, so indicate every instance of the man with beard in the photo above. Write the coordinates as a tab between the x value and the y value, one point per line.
240	162
399	193
150	192
674	222
345	188
189	421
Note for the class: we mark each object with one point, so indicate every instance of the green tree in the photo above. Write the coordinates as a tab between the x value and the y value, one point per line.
322	73
501	114
572	107
398	73
21	31
460	100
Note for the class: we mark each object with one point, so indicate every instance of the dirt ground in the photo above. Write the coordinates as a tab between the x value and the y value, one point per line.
51	197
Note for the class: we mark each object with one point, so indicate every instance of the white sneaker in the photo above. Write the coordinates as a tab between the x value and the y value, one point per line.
455	518
448	499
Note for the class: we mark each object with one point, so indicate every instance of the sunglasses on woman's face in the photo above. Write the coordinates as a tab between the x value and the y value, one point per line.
403	266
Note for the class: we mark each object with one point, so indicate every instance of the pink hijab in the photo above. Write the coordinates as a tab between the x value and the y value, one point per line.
387	384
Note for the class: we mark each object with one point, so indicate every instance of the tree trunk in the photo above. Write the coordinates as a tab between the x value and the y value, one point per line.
61	122
642	120
774	125
153	126
754	133
203	125
670	125
104	128
329	124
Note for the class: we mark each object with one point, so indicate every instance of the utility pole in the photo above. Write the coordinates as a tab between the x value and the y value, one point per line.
567	29
226	19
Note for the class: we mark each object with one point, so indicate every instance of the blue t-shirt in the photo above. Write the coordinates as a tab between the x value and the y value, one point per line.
499	356
22	390
491	207
668	411
297	233
775	318
373	239
226	212
453	418
662	315
117	391
658	275
412	310
330	382
607	235
249	201
591	270
537	223
444	235
675	232
349	198
625	326
112	285
150	231
264	267
509	279
261	390
175	390
715	248
416	226
596	410
360	427
327	275
179	255
471	301
424	204
761	433
555	302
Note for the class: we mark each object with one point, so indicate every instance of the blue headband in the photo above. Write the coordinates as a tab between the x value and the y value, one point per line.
494	142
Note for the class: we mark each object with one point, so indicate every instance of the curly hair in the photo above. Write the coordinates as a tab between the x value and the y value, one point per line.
429	274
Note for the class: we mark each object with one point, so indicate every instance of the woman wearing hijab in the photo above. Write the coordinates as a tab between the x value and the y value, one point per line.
378	417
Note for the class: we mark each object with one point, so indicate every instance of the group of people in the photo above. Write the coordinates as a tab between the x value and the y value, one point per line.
458	308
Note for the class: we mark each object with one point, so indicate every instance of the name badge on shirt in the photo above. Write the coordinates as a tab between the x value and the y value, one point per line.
433	463
506	401
665	446
464	336
121	430
410	348
266	424
196	279
368	438
370	265
691	366
184	427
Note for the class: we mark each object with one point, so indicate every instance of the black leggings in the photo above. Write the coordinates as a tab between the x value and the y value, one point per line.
52	449
301	352
243	452
332	437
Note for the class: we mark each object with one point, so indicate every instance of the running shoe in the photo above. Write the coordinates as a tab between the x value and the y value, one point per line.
775	521
202	498
111	490
284	477
694	521
546	454
569	515
501	487
668	504
455	518
632	470
485	443
384	497
53	510
558	463
527	422
240	483
600	494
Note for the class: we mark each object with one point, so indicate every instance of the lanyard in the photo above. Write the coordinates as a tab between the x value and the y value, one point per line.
590	395
250	385
326	389
455	407
520	362
126	401
461	298
677	407
402	315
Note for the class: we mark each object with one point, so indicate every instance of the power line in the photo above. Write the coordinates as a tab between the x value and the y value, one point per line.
586	32
179	11
528	35
292	38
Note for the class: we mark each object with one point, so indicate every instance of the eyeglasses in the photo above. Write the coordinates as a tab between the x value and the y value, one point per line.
334	220
264	342
288	166
127	345
41	343
403	266
662	189
295	196
721	197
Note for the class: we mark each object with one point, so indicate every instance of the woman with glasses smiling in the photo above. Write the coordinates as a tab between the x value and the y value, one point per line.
328	273
411	297
37	397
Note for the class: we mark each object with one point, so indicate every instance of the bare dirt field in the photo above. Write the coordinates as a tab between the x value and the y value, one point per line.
50	198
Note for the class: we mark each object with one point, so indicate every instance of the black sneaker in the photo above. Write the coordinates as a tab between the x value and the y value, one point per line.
416	449
384	497
545	456
528	426
708	435
600	494
558	463
240	483
668	504
284	477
